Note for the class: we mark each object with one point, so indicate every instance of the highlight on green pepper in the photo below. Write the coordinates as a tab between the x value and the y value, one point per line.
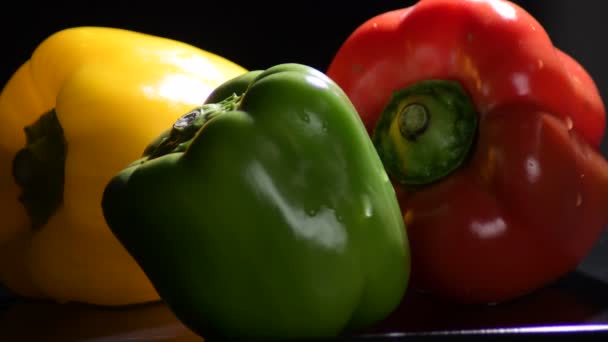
266	212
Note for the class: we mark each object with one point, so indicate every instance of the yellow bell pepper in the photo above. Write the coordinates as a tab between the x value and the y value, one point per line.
107	93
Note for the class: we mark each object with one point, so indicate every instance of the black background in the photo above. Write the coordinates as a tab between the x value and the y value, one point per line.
259	34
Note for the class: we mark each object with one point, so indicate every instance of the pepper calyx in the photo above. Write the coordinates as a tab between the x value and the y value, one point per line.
185	128
426	131
39	168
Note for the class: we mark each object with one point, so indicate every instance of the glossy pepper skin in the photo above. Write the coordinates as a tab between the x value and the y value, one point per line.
523	197
266	214
104	93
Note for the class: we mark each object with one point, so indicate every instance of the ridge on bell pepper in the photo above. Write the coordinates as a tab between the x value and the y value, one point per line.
88	100
266	212
502	186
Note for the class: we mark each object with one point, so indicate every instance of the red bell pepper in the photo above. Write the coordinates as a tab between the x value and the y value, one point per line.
491	137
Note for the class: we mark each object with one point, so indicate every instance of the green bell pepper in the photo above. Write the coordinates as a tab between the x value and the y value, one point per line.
266	212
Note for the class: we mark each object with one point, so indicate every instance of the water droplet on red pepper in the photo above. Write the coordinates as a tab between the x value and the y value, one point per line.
569	123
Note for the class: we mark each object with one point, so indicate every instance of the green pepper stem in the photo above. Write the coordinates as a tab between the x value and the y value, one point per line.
39	168
179	137
425	131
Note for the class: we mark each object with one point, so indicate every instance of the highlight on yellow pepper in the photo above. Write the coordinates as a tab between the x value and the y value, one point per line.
85	104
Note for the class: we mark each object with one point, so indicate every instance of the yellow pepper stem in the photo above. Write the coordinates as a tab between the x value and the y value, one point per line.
39	168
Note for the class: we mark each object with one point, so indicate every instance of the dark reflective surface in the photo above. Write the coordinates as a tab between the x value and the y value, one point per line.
575	299
576	304
23	320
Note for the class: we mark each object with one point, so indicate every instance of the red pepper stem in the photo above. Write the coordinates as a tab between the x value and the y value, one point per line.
413	121
426	131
